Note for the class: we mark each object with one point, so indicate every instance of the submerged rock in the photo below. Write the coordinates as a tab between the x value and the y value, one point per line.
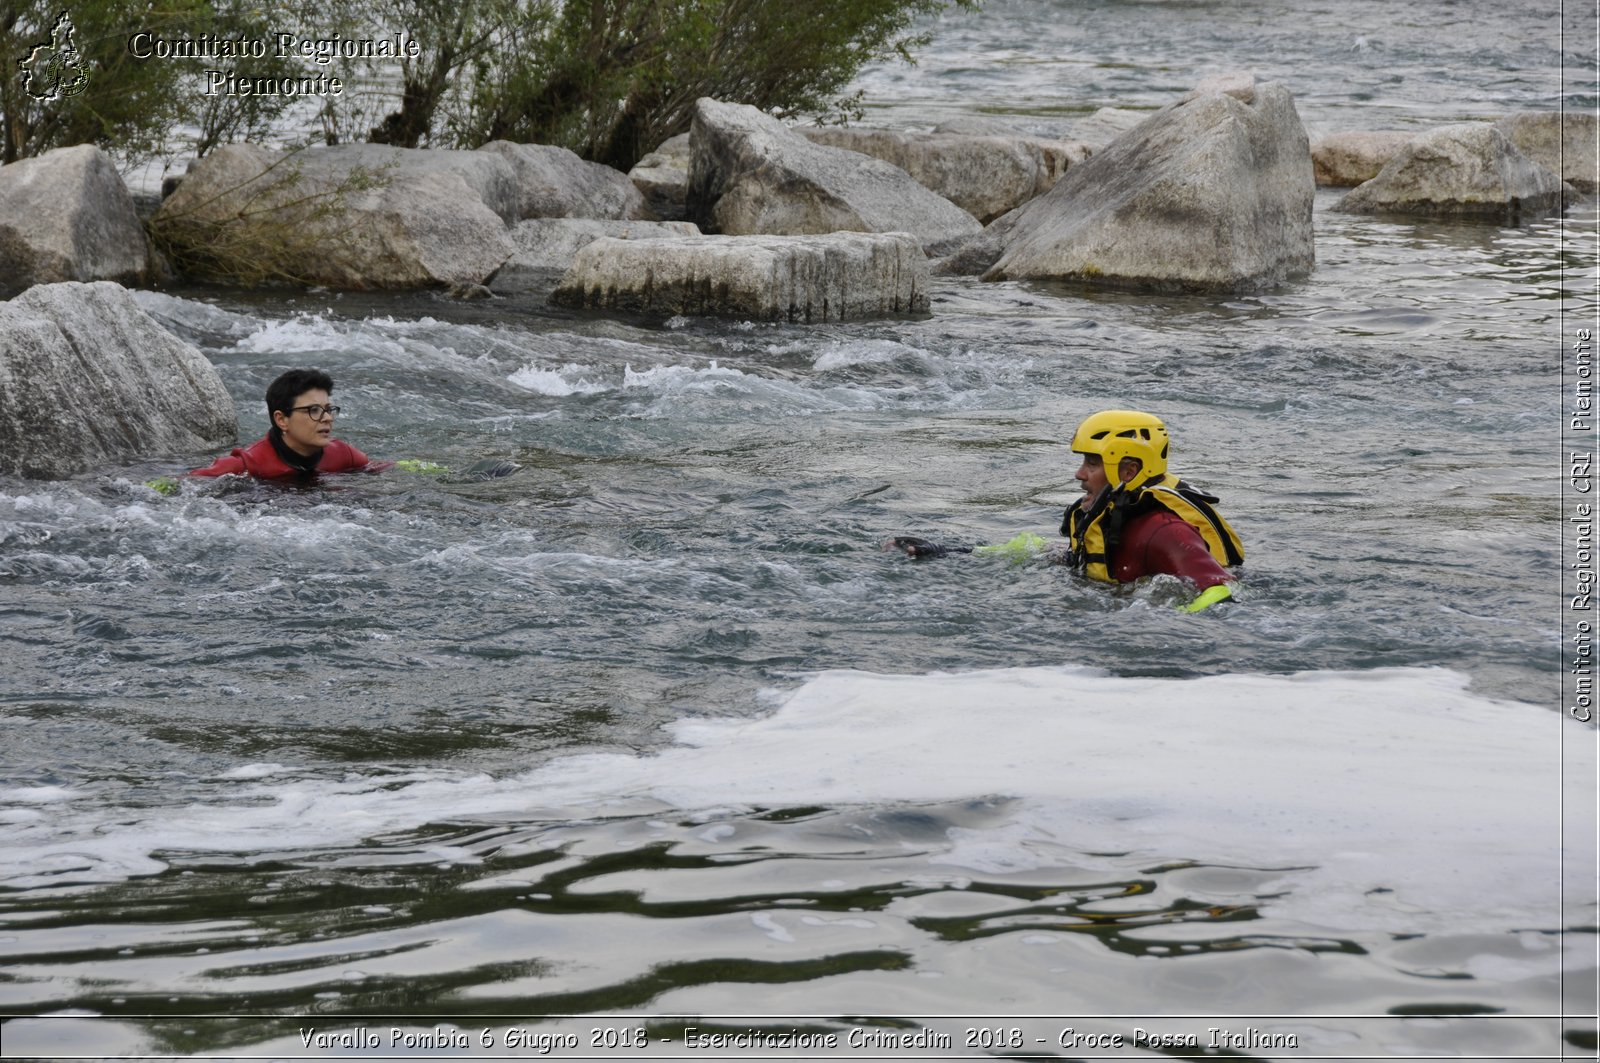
1468	170
765	278
346	219
1565	143
88	379
983	175
67	216
553	182
547	246
750	174
1211	193
1344	160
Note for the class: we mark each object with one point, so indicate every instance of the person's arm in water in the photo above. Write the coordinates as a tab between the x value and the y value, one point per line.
340	456
1019	548
1159	543
1165	543
230	464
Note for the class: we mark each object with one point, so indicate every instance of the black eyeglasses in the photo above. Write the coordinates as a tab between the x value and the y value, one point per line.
316	410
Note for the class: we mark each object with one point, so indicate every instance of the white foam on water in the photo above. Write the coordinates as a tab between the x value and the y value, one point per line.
29	519
302	333
683	390
37	795
670	378
1388	799
845	354
569	379
384	340
255	771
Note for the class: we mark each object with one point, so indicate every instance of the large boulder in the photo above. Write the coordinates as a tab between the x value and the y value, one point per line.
1468	170
662	177
553	182
1211	193
766	278
88	379
67	216
983	175
1565	143
750	174
382	218
493	179
1344	160
546	247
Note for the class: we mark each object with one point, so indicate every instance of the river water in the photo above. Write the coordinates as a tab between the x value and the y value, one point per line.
651	735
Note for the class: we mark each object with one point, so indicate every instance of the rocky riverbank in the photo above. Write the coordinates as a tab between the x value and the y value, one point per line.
1210	193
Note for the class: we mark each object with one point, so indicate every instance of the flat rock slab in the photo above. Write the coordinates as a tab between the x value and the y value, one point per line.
546	248
67	216
89	380
809	279
1470	170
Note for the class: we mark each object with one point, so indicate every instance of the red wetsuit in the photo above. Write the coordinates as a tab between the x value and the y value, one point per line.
1162	541
262	459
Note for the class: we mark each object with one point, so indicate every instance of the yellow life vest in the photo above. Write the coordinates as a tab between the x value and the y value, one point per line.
1094	531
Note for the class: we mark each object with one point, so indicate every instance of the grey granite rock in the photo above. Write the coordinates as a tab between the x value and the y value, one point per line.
662	177
66	216
1347	159
1562	142
417	225
553	182
1211	193
1470	170
831	277
546	248
88	380
986	176
750	174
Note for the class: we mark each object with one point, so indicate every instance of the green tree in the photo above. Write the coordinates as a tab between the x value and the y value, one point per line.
611	79
453	37
227	119
120	99
136	108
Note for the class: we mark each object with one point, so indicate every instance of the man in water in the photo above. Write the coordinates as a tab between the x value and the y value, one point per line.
300	443
1147	522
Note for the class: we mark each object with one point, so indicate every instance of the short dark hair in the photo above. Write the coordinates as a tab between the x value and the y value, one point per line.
282	392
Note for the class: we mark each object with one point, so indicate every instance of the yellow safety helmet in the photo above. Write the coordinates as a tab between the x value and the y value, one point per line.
1118	434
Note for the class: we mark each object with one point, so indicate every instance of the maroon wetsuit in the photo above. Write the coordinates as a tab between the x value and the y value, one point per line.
1162	541
269	459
